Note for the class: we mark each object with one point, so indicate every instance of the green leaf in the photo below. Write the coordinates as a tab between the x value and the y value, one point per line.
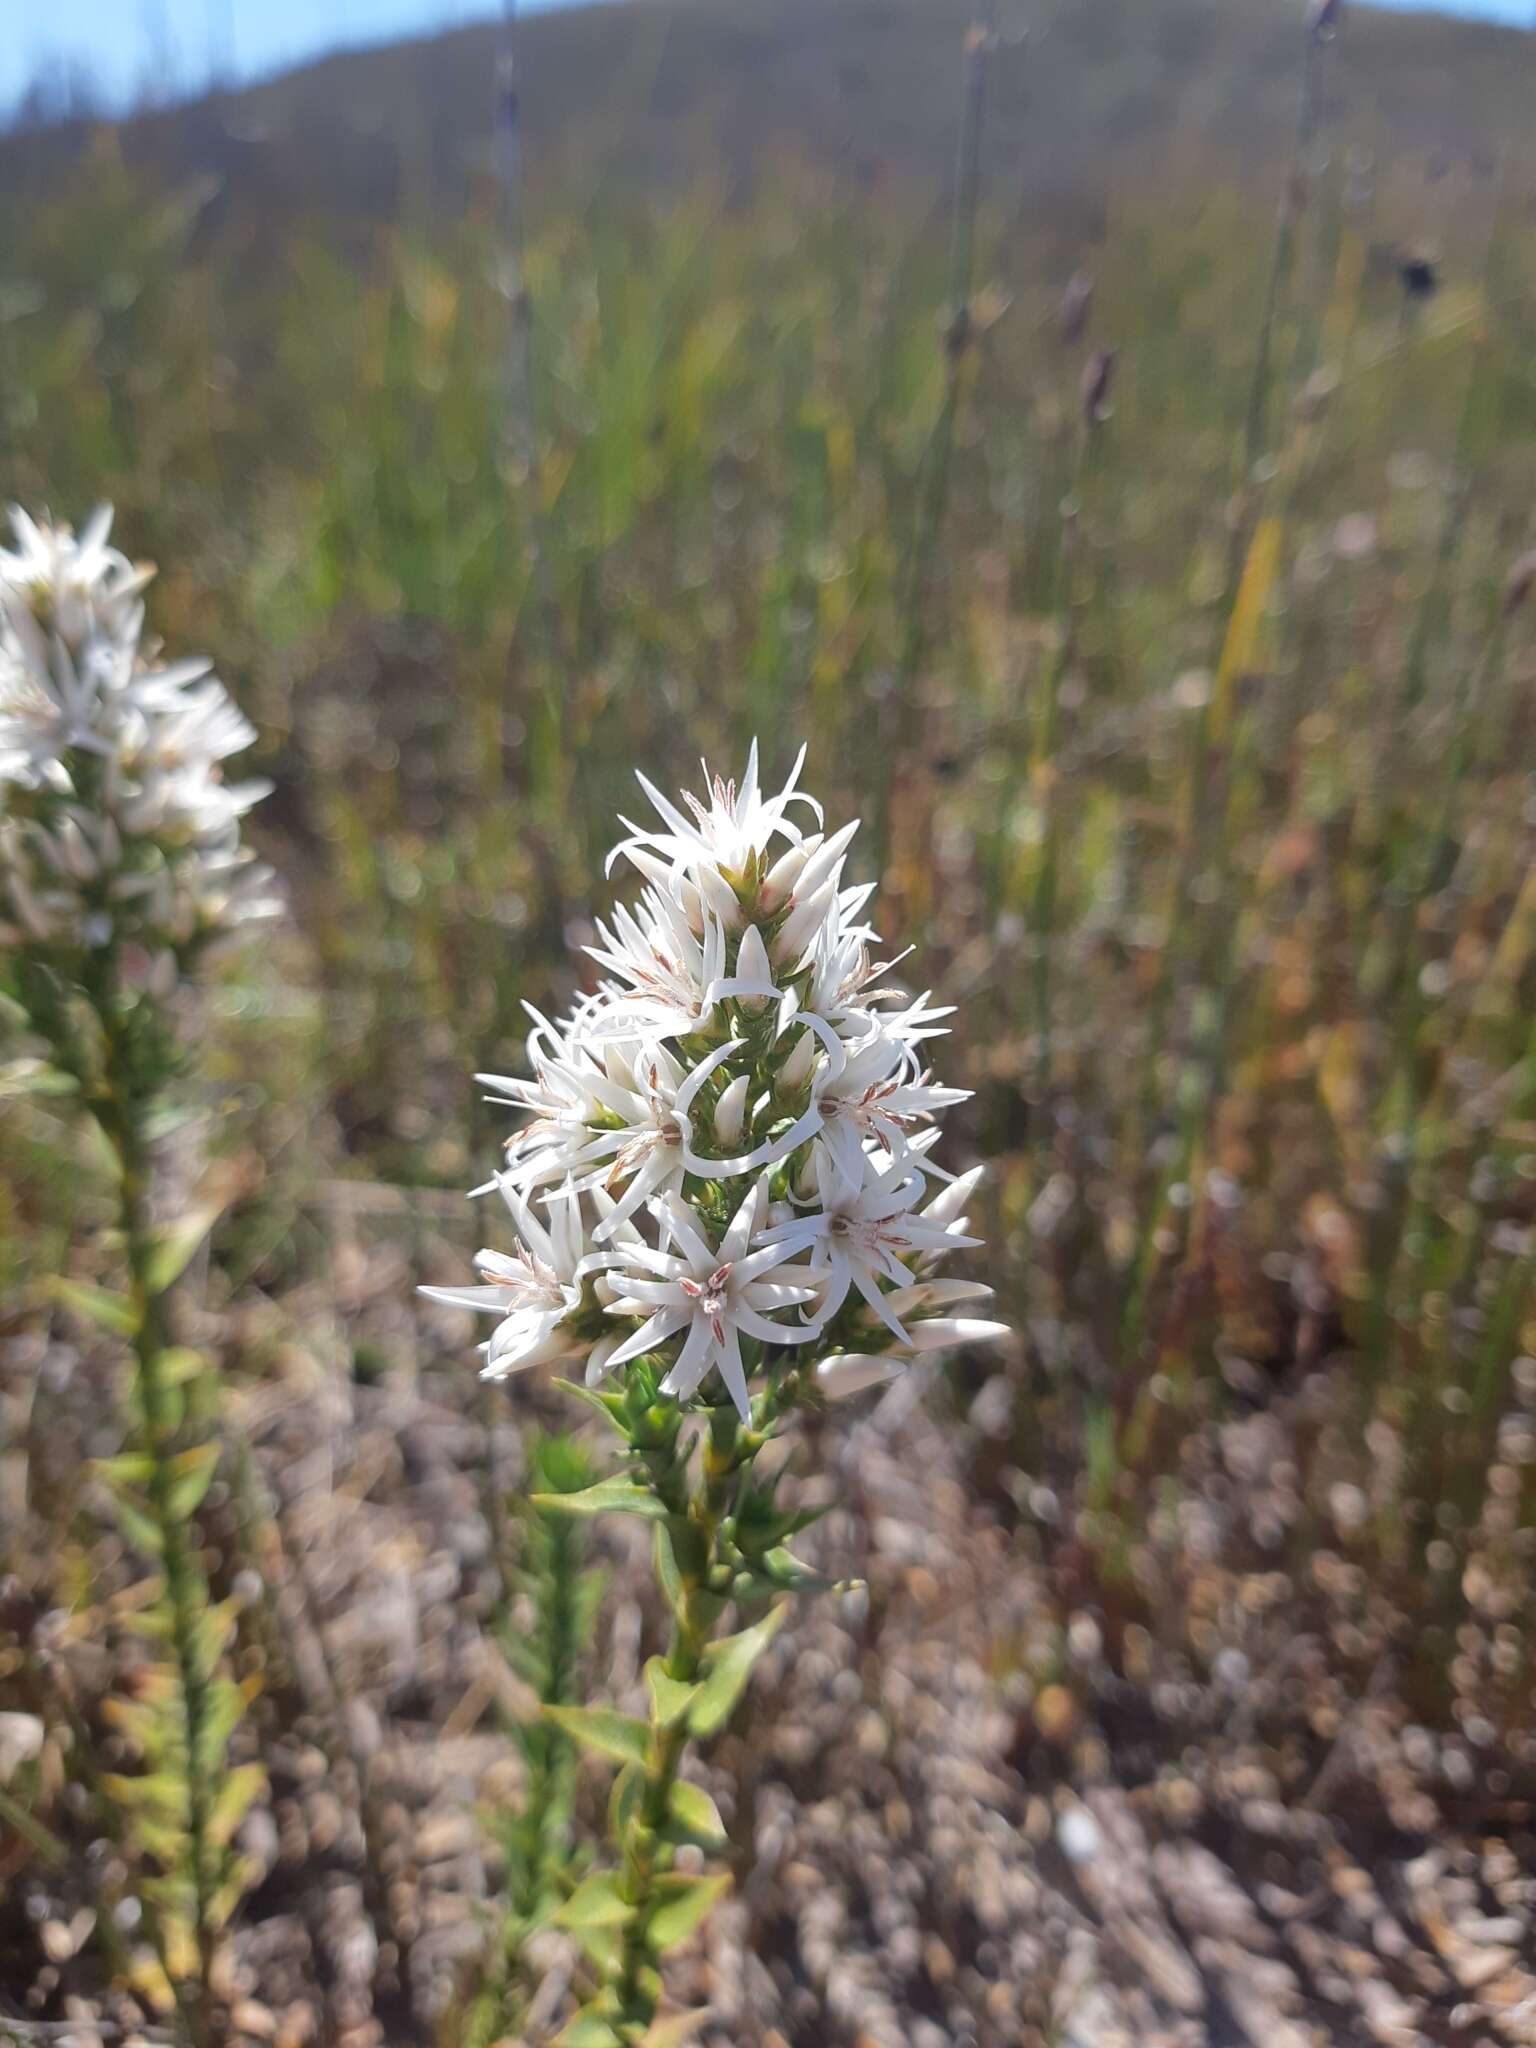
138	1526
242	1874
609	1496
163	1793
609	1406
670	1698
589	2029
235	1798
176	1366
114	1312
675	2029
685	1901
213	1632
730	1666
603	1730
602	1946
695	1816
623	1800
667	1573
191	1473
128	1468
175	1243
783	1569
34	1077
597	1901
223	1711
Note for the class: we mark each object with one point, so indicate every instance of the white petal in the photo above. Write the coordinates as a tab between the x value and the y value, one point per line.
944	1331
848	1373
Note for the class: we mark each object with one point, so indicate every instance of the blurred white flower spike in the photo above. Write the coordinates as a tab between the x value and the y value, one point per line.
117	826
732	1135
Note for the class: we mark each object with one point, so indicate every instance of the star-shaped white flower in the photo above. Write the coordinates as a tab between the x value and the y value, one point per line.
533	1290
716	1296
866	1233
881	1093
738	823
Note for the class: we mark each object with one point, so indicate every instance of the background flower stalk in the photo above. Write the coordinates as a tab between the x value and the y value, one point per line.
121	870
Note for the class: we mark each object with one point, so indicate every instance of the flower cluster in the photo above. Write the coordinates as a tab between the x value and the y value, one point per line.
116	823
728	1150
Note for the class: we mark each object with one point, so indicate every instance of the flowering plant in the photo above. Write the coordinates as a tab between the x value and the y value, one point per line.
724	1200
121	867
116	824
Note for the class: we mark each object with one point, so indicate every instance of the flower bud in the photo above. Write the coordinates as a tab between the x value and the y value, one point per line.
848	1373
802	925
752	964
796	1070
731	1111
778	884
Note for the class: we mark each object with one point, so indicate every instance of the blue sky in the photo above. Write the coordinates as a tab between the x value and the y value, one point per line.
118	40
124	42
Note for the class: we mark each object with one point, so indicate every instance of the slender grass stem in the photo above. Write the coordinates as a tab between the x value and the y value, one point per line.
1043	904
933	490
1282	251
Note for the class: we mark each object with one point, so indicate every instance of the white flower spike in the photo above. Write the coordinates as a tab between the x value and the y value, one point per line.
116	822
740	1122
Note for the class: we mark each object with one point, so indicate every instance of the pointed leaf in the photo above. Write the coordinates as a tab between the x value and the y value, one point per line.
239	1879
670	1698
782	1568
114	1312
602	1946
609	1496
623	1800
128	1468
236	1796
223	1710
695	1816
191	1473
598	1901
609	1406
675	2029
138	1526
175	1244
668	1576
603	1730
179	1364
589	2029
685	1901
730	1666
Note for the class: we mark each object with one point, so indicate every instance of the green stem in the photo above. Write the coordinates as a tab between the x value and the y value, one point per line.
704	1575
123	1110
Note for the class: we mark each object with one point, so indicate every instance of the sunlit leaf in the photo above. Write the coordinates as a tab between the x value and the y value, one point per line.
236	1795
192	1471
730	1665
609	1496
603	1730
675	2029
114	1312
598	1901
685	1902
695	1815
670	1697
